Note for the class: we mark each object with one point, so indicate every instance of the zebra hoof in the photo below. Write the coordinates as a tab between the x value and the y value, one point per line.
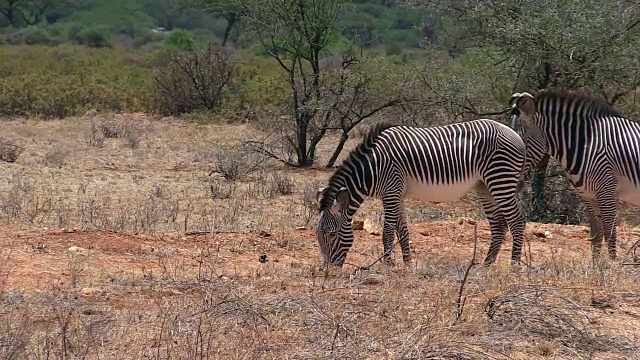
390	263
488	262
516	262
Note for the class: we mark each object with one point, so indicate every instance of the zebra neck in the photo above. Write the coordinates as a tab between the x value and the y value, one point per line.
566	141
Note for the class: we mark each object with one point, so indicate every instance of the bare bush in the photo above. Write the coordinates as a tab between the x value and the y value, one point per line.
544	313
9	151
132	141
221	189
235	162
309	193
278	184
94	137
556	202
111	130
57	157
193	80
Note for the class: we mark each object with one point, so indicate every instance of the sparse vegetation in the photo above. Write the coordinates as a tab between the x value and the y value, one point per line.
192	275
162	217
9	151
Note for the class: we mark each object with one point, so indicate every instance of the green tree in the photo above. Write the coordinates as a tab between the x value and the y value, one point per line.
296	33
30	12
230	10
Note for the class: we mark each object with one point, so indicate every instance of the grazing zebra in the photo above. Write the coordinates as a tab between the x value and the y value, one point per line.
437	164
598	147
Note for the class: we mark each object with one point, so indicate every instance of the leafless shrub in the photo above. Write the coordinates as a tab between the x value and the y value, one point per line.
57	157
235	162
193	80
132	141
278	183
14	334
9	151
309	193
111	130
543	313
94	136
221	189
558	202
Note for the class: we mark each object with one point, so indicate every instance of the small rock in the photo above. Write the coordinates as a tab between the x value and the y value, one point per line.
90	291
77	249
372	280
368	227
263	233
541	234
602	302
301	228
358	225
469	221
42	248
88	312
425	233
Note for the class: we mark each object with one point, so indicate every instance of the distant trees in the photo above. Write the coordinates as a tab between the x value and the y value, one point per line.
21	13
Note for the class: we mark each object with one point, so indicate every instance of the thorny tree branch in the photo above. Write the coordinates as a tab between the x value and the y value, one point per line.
461	301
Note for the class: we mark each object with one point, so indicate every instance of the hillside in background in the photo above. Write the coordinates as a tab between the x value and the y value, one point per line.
136	23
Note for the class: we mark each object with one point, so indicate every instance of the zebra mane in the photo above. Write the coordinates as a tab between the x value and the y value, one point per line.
364	148
590	103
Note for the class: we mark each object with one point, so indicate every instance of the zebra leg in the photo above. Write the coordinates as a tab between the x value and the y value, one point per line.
507	205
608	209
403	235
592	211
392	209
497	223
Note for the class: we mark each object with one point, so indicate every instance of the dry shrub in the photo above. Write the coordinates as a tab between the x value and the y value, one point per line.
309	194
559	203
129	131
235	162
278	183
545	314
57	157
221	188
193	80
94	137
9	151
132	141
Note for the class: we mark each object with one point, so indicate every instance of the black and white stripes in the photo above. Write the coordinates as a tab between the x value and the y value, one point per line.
436	164
599	148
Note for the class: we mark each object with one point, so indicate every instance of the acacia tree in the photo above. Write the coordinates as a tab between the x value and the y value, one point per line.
296	33
230	10
29	12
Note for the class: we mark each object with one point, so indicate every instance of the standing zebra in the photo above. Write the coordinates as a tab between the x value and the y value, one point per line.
436	164
597	146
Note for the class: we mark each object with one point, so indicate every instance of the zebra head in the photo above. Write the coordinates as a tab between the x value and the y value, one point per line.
335	231
524	122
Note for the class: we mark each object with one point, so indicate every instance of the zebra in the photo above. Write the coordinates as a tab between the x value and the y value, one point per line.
597	146
437	164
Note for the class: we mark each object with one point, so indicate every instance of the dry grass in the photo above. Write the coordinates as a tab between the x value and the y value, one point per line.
96	262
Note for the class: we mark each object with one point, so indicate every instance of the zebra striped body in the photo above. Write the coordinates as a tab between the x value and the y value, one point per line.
436	164
599	149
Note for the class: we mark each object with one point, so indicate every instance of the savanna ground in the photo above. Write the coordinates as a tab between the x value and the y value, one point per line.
118	241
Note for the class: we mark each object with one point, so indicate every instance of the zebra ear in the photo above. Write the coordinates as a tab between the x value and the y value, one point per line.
342	199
